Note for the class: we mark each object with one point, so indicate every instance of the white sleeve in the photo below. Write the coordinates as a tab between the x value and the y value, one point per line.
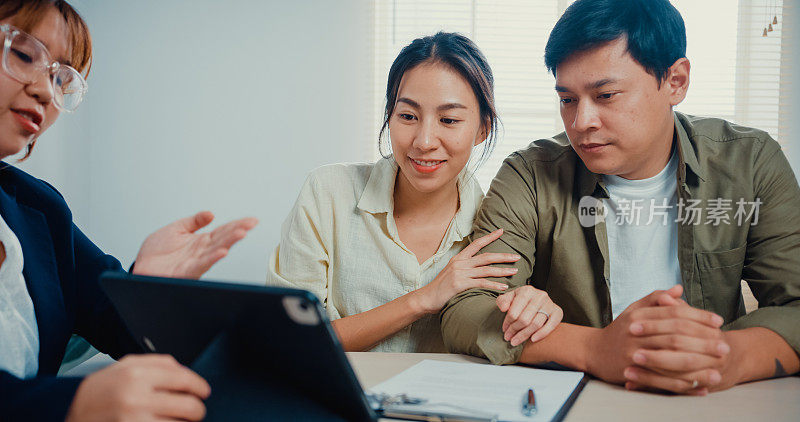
302	258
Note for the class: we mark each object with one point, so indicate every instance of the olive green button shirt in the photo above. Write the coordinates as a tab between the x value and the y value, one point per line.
748	228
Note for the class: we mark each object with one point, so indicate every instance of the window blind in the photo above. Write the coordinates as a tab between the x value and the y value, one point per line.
737	74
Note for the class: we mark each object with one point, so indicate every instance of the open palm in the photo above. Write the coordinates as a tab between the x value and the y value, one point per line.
177	250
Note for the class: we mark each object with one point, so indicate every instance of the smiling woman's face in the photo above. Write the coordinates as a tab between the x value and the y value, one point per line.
435	123
27	110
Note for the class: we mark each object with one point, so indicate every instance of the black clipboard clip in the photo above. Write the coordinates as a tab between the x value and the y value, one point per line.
403	406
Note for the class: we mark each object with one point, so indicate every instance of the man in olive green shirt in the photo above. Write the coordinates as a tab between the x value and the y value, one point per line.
620	68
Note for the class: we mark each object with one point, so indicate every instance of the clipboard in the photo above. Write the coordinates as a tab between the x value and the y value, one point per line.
438	391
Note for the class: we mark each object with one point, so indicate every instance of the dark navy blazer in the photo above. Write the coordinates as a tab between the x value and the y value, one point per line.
61	271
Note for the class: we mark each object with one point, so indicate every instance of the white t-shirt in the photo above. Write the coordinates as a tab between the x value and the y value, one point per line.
19	334
642	235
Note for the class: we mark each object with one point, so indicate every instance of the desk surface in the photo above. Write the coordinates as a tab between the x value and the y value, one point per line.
763	401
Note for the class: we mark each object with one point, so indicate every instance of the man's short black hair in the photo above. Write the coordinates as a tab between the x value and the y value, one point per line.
654	30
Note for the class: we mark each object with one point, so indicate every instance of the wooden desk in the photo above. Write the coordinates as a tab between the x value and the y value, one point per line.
763	401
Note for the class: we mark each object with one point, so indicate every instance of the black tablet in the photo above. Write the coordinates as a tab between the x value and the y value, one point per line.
268	353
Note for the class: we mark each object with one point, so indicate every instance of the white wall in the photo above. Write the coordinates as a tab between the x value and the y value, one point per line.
203	104
220	105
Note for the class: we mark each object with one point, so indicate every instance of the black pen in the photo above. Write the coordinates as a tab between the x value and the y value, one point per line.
529	403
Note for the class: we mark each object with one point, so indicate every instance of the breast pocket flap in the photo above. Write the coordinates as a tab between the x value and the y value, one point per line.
721	259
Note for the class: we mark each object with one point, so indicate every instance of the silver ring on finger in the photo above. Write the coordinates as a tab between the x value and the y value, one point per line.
546	315
695	383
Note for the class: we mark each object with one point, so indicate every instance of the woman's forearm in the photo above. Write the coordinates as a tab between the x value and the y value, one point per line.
363	331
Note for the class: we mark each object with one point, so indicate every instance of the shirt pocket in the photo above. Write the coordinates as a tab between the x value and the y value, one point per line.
720	278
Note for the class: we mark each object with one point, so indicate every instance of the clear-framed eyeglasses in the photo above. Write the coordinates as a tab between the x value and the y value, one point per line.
26	59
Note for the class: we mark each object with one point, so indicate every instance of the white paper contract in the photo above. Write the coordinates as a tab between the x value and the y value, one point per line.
483	389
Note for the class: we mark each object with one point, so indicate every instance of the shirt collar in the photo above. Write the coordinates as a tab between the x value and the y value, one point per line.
589	183
686	151
378	195
470	196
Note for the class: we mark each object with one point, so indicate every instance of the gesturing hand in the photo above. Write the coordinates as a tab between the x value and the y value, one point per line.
176	250
466	271
530	314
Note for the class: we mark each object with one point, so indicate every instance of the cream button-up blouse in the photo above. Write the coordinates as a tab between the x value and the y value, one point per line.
341	243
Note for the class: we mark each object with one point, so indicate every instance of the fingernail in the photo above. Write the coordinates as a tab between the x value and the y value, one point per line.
502	286
715	378
506	337
636	328
514	270
717	320
639	358
515	342
517	257
723	348
630	374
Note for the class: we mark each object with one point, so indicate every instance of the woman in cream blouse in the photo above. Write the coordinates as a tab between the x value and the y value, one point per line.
384	246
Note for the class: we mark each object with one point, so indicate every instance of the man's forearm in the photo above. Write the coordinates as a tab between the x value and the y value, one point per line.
464	320
568	345
759	353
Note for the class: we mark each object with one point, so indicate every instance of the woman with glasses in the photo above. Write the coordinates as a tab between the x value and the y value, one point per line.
385	245
49	269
